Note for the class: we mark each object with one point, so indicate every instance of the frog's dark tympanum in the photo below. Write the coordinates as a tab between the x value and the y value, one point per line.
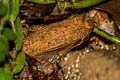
52	41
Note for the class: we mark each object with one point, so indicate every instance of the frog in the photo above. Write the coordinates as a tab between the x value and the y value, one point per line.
66	32
46	46
57	35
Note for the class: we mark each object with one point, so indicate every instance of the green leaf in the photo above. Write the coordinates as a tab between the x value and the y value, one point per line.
7	68
14	9
43	1
109	37
86	3
5	72
2	22
5	76
2	56
3	9
9	34
19	34
20	62
3	45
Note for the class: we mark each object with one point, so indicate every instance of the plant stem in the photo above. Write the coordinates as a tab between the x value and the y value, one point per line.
85	3
13	26
109	37
2	22
14	30
78	4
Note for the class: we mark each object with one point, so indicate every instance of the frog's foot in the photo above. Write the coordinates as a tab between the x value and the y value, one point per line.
96	43
25	30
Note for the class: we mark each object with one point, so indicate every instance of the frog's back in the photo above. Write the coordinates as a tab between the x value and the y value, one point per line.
57	35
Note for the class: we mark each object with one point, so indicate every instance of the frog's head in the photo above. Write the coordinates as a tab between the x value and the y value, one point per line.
102	20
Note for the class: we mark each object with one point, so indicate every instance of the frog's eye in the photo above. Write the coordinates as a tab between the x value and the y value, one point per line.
92	13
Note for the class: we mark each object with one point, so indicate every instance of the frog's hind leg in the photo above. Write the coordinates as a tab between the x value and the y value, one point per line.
71	46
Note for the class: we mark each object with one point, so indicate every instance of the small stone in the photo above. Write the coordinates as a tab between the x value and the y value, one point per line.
87	50
102	47
65	58
76	65
77	70
113	47
69	68
66	77
73	65
107	47
68	72
77	60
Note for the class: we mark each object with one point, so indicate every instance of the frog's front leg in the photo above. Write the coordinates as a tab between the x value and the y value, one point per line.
27	29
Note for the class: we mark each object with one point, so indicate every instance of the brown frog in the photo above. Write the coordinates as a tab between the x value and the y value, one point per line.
57	35
67	32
